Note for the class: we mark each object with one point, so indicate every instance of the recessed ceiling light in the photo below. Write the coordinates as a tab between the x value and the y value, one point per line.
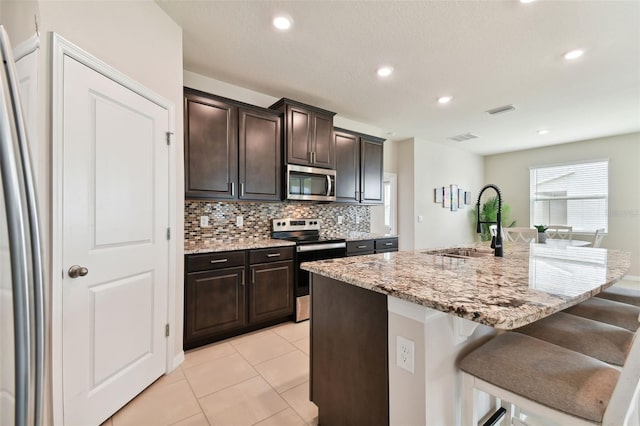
282	22
527	1
573	54
444	99
543	131
385	71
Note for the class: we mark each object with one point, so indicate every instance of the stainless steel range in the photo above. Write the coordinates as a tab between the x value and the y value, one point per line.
309	246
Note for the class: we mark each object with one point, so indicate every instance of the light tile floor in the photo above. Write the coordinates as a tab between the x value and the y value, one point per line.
261	378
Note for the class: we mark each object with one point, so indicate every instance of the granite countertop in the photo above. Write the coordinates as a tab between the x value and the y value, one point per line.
360	236
235	244
527	284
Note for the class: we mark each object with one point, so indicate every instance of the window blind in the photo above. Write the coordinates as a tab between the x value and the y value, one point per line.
571	194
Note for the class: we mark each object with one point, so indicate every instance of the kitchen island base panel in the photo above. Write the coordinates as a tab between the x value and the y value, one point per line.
349	357
431	396
354	374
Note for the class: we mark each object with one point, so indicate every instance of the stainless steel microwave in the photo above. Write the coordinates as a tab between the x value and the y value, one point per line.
310	183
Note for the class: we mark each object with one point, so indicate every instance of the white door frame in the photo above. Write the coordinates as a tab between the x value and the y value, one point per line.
60	49
392	178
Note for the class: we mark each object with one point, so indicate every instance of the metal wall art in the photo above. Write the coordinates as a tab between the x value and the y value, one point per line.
452	197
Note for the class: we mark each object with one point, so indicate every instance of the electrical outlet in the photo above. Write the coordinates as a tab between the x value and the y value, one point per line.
420	219
340	220
204	221
404	353
239	221
357	219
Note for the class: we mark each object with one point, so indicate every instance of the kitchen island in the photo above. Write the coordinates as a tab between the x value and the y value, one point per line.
387	329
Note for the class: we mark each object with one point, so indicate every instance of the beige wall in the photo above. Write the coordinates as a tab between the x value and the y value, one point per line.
510	171
422	167
136	38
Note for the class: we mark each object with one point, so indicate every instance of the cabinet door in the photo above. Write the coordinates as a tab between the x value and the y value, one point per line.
347	167
299	123
270	291
211	155
372	172
260	155
323	142
214	304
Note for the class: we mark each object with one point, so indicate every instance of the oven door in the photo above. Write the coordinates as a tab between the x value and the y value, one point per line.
310	183
309	253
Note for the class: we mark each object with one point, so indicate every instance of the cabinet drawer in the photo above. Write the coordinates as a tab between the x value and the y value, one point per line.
204	262
386	243
270	255
359	247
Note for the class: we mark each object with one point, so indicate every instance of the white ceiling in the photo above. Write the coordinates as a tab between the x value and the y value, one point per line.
485	54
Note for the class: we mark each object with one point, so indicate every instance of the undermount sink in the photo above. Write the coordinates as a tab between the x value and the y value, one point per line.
461	252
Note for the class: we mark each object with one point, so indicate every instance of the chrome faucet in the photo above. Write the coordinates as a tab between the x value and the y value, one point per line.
496	242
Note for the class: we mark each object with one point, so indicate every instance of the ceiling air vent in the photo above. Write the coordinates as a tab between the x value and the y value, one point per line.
501	109
465	137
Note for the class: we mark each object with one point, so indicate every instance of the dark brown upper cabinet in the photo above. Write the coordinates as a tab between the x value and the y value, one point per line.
260	155
232	150
211	147
308	134
371	170
359	167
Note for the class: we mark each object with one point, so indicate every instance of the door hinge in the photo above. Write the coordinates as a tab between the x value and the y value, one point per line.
166	330
169	137
168	233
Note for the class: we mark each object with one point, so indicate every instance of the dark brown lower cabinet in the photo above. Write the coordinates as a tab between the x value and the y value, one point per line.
230	293
349	357
270	291
214	304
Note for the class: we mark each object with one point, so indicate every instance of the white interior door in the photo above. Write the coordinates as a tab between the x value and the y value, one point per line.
114	224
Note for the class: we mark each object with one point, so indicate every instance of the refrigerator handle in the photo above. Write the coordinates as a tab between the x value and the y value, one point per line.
36	301
18	239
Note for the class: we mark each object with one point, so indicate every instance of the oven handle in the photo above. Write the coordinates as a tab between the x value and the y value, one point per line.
318	247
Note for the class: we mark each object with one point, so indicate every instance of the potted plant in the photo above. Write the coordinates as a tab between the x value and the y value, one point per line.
489	213
542	237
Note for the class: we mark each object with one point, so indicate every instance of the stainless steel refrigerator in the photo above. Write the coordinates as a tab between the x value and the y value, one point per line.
22	316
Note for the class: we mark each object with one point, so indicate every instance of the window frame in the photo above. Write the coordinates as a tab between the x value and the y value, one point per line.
605	197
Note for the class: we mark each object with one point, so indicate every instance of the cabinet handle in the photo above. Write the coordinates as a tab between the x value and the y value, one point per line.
242	189
253	276
219	261
233	189
243	278
362	246
273	255
388	244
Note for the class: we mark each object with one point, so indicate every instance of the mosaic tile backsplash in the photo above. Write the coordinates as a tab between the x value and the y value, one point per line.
257	216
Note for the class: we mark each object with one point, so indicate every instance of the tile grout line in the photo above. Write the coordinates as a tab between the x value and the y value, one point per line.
197	400
269	383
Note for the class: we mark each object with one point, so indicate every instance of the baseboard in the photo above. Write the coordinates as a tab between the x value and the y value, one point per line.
631	278
177	360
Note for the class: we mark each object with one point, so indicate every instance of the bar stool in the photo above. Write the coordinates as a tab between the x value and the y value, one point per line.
622	295
550	381
596	339
603	310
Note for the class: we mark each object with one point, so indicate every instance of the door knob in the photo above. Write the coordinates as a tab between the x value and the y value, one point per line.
77	271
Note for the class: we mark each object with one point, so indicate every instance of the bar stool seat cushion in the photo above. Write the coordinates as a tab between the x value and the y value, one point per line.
597	339
564	380
622	295
603	310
